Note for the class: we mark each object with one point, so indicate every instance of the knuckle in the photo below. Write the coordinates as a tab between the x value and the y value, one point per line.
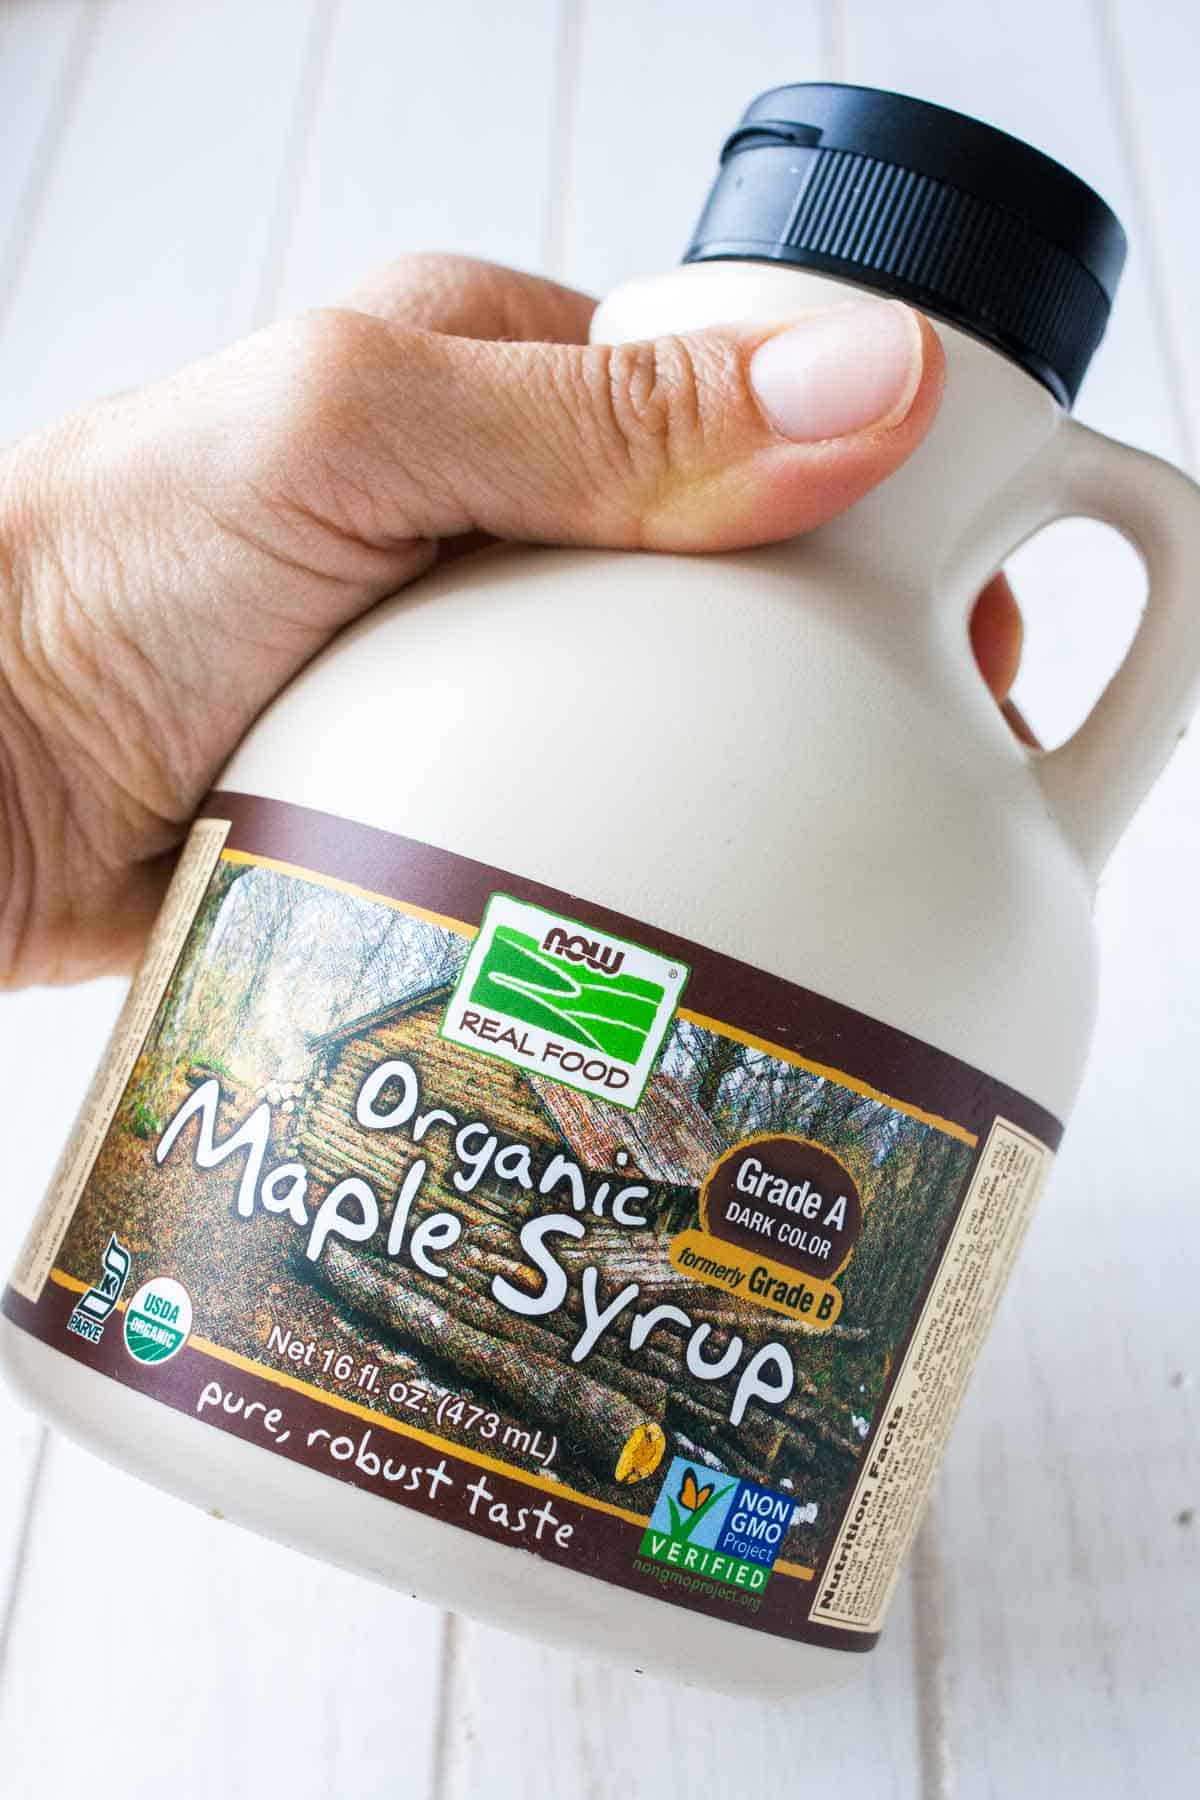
436	268
420	287
318	365
319	433
653	391
664	406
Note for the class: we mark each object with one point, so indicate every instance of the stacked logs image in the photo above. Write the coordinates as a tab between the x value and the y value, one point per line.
611	1412
616	1414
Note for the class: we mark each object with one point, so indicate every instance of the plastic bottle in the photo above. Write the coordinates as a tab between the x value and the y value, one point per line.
612	1023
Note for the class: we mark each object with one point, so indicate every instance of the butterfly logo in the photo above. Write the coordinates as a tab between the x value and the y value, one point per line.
690	1496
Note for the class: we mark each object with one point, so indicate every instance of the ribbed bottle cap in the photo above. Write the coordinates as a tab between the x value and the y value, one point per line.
914	200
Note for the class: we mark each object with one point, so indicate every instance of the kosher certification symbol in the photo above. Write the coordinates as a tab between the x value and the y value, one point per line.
158	1320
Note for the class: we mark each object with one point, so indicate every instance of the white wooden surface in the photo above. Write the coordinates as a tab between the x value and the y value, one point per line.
171	175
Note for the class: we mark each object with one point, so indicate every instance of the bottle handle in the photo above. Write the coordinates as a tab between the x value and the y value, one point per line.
1097	779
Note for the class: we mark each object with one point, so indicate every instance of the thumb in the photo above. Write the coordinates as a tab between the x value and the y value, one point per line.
704	441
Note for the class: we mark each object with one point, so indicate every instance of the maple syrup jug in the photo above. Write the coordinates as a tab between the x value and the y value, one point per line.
607	1033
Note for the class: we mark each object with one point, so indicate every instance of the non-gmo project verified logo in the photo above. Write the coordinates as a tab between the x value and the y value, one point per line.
717	1526
564	1000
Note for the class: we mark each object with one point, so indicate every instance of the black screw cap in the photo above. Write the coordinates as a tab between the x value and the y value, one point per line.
916	201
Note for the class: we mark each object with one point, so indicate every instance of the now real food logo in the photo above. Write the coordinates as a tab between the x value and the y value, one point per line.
564	1000
717	1526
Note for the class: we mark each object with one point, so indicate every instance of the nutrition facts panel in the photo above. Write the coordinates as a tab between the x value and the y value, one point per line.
902	1459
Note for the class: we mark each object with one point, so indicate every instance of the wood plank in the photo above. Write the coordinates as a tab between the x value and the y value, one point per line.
1152	62
539	1724
430	132
147	245
1069	1657
203	1659
655	102
1079	616
42	49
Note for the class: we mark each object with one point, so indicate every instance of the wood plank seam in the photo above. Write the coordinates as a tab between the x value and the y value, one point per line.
13	252
442	1772
568	56
321	29
835	52
12	1600
927	1577
1142	227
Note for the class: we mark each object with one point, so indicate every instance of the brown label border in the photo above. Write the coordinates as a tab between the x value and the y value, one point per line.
602	1546
732	994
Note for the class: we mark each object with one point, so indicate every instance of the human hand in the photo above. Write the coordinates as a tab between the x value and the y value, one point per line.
171	557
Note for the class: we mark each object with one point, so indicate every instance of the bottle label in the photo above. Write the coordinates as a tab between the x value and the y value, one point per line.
537	1219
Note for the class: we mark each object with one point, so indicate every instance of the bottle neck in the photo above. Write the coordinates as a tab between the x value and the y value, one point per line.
923	528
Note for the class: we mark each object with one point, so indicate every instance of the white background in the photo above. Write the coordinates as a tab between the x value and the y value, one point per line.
172	174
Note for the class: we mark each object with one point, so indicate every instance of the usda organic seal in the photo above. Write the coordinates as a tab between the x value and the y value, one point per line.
158	1320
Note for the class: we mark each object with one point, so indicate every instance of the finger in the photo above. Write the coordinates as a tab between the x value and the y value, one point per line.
732	436
997	638
460	296
997	634
463	297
